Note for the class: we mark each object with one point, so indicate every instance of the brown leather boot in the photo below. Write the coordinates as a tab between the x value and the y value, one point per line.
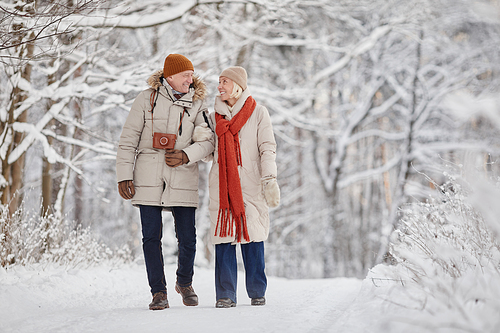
160	301
189	297
224	303
258	301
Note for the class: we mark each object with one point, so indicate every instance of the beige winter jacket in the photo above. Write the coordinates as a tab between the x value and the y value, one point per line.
258	154
157	184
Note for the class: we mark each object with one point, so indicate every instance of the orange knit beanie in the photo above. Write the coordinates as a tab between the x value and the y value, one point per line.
176	63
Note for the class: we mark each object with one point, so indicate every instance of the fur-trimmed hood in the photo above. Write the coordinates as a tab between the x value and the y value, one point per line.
200	88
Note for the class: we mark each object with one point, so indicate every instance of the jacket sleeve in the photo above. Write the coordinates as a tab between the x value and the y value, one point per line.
199	150
267	144
211	125
129	139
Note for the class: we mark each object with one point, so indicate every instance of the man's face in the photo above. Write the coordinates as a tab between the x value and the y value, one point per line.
181	81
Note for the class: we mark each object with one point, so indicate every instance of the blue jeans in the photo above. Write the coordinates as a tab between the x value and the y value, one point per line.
226	270
152	231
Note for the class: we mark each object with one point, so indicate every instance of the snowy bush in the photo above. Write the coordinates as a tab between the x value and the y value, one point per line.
27	238
447	252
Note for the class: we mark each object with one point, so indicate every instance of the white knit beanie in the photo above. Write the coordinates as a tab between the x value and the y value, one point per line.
237	74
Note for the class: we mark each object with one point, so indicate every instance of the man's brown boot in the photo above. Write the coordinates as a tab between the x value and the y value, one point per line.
189	297
159	302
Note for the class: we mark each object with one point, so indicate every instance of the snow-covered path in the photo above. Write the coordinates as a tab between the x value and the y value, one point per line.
103	299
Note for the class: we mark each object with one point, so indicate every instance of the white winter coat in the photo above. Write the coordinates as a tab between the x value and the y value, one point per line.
258	154
157	184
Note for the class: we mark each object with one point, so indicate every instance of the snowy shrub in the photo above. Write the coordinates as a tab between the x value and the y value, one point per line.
449	255
27	238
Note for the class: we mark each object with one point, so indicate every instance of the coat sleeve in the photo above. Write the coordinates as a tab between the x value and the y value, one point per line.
129	139
267	144
211	124
199	150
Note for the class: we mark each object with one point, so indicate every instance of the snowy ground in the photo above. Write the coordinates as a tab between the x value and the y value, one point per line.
103	299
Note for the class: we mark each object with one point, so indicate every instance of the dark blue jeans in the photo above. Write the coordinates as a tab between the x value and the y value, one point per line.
152	231
226	270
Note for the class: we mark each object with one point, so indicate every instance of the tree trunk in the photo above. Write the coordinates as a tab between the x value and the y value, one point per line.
46	184
13	173
405	168
78	183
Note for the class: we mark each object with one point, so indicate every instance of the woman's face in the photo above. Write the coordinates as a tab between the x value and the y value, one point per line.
225	88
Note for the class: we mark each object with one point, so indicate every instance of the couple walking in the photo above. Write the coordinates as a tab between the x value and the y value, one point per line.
166	133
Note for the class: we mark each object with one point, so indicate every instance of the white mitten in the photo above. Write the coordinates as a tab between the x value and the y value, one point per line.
202	133
271	191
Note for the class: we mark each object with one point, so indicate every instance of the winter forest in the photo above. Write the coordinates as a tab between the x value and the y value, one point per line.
386	115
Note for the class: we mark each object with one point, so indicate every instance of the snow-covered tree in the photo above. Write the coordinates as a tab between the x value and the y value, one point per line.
362	96
30	31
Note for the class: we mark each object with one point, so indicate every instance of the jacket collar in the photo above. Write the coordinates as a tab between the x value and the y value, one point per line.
198	90
185	101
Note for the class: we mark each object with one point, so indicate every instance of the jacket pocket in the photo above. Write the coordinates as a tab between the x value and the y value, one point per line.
146	170
185	177
250	181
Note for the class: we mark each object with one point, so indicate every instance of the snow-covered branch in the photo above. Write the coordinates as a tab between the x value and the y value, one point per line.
140	16
366	174
101	148
331	177
49	151
385	135
363	46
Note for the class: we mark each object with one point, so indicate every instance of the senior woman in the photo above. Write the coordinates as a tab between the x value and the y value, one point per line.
242	186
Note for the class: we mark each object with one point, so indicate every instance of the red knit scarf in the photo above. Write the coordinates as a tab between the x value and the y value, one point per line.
231	206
